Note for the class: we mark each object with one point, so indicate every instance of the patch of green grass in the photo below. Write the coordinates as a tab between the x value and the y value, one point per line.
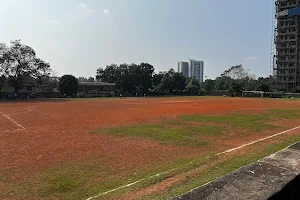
61	185
159	133
206	130
284	114
255	122
82	179
188	129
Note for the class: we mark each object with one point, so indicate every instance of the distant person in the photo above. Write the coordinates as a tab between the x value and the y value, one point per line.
121	96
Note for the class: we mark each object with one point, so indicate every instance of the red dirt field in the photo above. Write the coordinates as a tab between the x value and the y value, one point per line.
55	132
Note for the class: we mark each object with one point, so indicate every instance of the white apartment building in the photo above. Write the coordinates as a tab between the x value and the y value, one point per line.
196	69
183	67
193	68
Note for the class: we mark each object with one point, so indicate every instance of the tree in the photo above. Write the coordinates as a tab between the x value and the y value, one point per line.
82	79
240	79
193	87
165	86
209	85
236	87
249	83
179	83
18	62
129	78
236	72
68	85
41	80
171	82
265	84
91	79
144	73
2	81
222	83
109	74
157	79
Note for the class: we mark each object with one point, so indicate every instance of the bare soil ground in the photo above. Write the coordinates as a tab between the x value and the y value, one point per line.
57	132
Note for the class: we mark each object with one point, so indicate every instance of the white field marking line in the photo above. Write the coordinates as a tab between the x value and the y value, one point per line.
16	123
250	143
13	130
29	109
260	160
156	175
133	183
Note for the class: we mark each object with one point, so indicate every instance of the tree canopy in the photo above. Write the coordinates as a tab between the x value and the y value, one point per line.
19	63
132	78
68	85
129	78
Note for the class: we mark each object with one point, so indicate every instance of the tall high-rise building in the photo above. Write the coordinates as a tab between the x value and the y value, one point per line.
192	68
286	63
196	69
183	67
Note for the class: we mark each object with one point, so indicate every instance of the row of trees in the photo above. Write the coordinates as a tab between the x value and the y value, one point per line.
132	78
19	65
236	79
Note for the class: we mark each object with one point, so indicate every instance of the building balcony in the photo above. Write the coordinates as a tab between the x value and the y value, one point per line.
286	61
286	5
283	47
285	26
287	33
281	54
287	40
279	68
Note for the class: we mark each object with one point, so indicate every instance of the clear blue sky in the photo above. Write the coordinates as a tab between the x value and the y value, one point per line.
79	36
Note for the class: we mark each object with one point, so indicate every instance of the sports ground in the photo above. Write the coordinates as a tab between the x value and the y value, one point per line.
135	148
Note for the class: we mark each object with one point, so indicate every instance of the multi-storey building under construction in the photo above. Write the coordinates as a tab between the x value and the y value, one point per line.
286	62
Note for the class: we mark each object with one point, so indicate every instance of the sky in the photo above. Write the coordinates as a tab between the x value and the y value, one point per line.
78	36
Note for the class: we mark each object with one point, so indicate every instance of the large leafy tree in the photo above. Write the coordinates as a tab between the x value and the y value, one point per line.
157	79
179	83
193	86
2	81
172	83
265	84
209	85
144	74
18	63
129	78
109	74
236	72
68	85
165	86
240	79
91	79
222	83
